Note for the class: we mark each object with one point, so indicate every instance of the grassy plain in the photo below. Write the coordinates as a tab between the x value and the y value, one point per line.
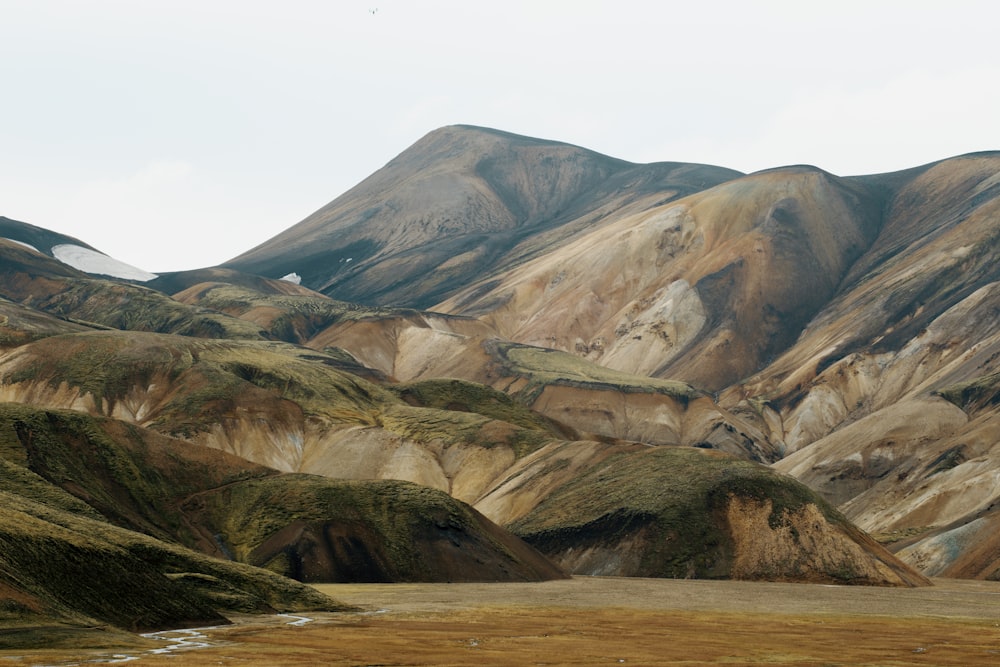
606	621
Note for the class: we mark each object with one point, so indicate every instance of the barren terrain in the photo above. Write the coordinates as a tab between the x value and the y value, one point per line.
603	621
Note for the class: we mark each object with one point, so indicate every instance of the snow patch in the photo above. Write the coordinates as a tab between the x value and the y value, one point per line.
292	278
26	245
91	261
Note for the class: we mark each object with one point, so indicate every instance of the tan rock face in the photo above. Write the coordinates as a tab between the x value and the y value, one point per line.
723	276
823	311
846	330
803	546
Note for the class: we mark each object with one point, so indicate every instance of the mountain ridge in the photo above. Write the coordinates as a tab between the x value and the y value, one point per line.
503	193
640	370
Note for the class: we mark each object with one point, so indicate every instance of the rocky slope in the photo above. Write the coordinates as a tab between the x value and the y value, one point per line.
70	558
830	317
105	521
293	409
598	356
459	204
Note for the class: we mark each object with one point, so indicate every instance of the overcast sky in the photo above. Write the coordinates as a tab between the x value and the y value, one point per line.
177	134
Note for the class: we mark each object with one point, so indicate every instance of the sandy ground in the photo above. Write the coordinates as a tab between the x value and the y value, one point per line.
946	599
602	621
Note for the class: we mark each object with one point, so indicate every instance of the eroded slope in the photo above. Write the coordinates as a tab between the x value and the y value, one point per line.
457	205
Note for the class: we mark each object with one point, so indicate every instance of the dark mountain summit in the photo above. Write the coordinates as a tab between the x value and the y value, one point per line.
509	358
457	206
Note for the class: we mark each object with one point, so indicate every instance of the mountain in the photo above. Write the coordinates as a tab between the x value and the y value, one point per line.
299	409
460	204
294	409
832	326
705	289
504	358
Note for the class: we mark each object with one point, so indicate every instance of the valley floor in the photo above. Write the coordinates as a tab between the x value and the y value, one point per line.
606	621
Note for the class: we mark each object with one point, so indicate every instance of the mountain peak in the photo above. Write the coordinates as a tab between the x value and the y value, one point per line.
457	205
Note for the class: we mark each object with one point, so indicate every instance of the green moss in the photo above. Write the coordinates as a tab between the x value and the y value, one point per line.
675	494
464	396
300	316
542	366
973	395
135	308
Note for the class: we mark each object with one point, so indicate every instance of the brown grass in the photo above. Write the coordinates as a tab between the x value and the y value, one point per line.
598	621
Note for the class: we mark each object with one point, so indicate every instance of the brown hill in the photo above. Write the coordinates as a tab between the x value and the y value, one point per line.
284	406
81	490
459	204
39	238
827	315
67	559
601	332
33	279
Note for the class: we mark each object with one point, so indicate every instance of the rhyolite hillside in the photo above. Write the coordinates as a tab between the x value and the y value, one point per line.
353	442
504	358
829	325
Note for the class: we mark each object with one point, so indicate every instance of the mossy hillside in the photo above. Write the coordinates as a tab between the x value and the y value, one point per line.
260	378
18	480
105	364
317	529
130	476
213	382
206	378
130	307
250	512
973	395
206	499
20	324
451	428
71	566
674	496
64	566
542	367
136	479
292	318
464	396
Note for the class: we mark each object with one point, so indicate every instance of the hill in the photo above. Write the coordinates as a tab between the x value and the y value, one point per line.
106	522
504	358
825	320
283	406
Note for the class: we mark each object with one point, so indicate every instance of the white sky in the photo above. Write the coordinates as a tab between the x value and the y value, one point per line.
175	134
